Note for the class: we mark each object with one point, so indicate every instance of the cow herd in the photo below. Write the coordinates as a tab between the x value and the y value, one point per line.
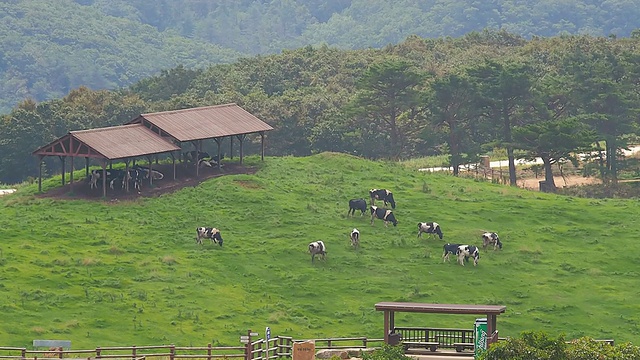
463	252
123	178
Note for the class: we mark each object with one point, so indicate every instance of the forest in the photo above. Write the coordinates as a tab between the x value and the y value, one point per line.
544	97
50	48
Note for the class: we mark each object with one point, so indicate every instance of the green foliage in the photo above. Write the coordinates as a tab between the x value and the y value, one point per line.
534	345
386	352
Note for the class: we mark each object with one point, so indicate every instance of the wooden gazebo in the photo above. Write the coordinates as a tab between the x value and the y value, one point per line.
490	311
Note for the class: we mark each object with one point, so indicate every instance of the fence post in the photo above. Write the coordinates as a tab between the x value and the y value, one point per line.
209	351
248	347
98	352
172	352
24	352
133	352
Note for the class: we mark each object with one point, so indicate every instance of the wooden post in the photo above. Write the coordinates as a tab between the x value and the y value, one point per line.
104	179
172	352
72	165
241	138
150	171
40	157
209	351
173	161
217	140
262	145
386	326
126	175
230	147
62	160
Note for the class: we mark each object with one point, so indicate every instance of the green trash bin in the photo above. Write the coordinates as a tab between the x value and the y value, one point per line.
480	337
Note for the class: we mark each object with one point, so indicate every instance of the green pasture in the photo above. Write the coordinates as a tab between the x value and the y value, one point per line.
130	273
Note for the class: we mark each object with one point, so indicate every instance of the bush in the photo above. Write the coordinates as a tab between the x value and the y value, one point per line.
387	352
539	346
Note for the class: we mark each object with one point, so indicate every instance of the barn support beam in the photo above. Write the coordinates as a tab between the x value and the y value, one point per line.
196	160
40	158
126	174
173	161
218	141
150	170
262	145
104	179
241	139
86	166
72	165
230	147
62	160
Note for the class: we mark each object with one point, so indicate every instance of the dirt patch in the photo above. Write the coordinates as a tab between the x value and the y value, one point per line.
185	177
571	180
248	184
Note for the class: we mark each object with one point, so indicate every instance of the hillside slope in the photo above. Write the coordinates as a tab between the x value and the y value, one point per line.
127	273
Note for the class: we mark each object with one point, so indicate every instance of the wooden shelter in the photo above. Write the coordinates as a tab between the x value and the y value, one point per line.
155	133
490	311
208	122
104	144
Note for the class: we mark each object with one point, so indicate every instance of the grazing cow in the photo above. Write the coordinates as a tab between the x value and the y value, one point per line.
448	250
467	251
383	214
113	176
357	204
431	228
317	248
491	238
212	234
355	238
384	195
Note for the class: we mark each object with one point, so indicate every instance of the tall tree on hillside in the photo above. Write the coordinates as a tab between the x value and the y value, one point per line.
504	89
601	78
452	110
554	141
385	105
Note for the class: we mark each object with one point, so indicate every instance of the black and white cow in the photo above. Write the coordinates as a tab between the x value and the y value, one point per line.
317	248
155	174
491	238
448	250
431	228
357	204
383	214
468	251
355	238
212	234
384	195
194	155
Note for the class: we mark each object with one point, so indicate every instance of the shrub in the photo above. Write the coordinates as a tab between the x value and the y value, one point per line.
387	352
538	345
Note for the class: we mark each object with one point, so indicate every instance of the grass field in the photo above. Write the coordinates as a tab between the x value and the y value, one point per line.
130	273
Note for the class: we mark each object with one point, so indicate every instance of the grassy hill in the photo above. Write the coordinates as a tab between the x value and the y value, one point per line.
103	274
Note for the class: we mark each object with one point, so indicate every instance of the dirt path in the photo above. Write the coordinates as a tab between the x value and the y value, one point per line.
534	183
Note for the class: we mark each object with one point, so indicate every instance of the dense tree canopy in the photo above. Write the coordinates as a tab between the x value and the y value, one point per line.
451	96
49	48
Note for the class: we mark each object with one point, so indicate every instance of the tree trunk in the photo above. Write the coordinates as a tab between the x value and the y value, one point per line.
549	182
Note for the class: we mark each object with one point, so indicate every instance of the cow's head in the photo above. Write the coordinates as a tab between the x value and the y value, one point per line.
216	237
391	200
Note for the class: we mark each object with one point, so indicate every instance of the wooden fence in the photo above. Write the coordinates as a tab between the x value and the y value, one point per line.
254	349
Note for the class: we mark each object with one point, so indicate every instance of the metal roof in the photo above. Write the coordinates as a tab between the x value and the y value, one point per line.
440	308
205	122
124	141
